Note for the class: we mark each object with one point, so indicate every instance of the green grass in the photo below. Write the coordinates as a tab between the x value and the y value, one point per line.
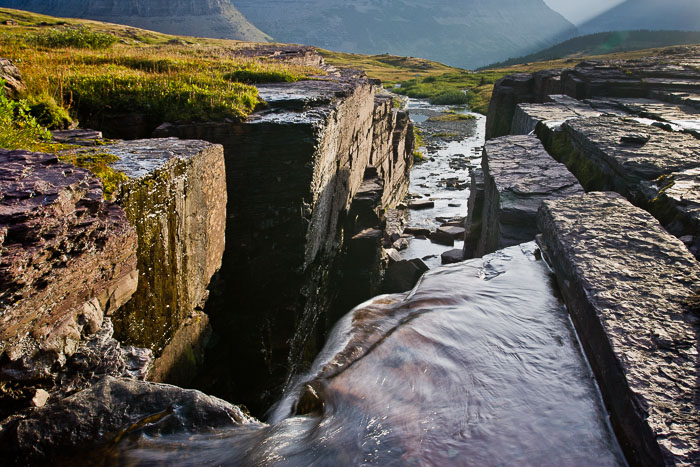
87	67
79	38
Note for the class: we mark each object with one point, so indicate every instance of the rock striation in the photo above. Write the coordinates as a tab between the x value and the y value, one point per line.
671	75
628	286
305	176
175	196
68	260
518	175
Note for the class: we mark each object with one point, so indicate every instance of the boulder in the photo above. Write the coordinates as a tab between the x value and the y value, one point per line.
402	276
14	87
108	411
629	287
418	204
452	256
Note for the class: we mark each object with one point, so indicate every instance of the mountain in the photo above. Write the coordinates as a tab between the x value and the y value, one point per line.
464	33
606	43
681	15
204	18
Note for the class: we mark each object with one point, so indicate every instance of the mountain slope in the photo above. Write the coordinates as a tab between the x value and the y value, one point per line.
203	18
648	14
607	42
465	33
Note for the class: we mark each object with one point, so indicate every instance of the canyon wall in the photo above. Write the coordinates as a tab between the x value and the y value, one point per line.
293	173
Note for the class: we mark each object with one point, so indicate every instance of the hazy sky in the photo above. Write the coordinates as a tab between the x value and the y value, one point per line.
578	11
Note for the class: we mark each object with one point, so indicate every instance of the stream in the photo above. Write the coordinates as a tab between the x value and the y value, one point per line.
478	365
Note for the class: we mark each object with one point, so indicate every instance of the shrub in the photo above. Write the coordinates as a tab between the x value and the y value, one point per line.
79	38
452	97
48	113
18	128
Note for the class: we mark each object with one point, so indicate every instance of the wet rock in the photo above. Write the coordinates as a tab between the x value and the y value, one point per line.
452	256
108	411
175	196
68	259
403	275
519	175
626	282
417	231
421	204
14	87
475	207
400	244
81	137
393	255
594	150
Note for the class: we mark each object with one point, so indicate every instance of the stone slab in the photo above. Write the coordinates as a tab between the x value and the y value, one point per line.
68	257
628	285
519	175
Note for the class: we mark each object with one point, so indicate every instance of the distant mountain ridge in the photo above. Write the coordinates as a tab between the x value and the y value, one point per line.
464	33
605	43
682	15
204	18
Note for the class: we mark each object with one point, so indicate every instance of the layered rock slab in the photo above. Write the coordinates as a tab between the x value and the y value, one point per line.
518	175
627	284
68	258
175	196
653	168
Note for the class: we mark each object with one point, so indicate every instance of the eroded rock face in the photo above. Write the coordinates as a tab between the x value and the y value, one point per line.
68	259
108	411
175	197
294	172
14	86
626	283
518	175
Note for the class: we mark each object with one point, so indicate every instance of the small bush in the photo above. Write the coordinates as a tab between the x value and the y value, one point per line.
452	117
18	128
452	97
48	113
79	38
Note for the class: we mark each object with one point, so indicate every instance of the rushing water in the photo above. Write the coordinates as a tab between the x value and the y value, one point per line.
479	365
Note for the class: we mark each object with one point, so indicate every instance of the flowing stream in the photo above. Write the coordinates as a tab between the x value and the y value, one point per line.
478	365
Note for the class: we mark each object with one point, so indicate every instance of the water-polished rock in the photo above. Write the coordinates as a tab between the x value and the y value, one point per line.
478	365
111	409
518	175
629	286
68	259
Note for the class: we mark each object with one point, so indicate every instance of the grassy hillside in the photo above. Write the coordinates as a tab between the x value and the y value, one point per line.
79	67
607	42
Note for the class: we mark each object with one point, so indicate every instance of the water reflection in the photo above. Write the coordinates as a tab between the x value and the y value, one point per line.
477	366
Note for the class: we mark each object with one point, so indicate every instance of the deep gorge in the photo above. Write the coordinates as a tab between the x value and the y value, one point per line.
571	331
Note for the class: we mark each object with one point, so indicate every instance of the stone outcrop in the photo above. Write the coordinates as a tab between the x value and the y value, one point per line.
518	175
294	172
110	410
68	259
672	75
629	286
175	197
9	73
